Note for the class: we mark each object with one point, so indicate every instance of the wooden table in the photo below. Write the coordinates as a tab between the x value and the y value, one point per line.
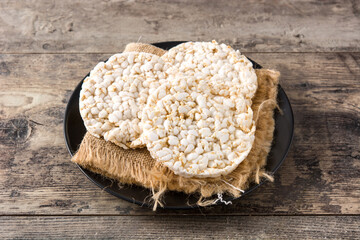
47	47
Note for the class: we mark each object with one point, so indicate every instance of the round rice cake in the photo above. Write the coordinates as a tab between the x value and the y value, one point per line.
195	132
113	96
219	64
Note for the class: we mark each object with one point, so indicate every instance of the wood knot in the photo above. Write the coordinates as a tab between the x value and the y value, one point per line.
14	131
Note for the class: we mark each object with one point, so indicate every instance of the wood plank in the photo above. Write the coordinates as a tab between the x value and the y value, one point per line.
320	175
106	26
180	227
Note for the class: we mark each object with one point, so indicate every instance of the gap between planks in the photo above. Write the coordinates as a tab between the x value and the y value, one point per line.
181	214
243	52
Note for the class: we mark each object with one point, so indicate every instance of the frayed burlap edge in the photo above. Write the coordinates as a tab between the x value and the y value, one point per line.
135	166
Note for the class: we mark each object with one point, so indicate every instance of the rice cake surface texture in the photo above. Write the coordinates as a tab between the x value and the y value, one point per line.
113	96
200	123
219	64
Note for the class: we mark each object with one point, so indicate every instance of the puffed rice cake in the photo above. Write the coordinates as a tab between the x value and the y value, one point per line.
113	96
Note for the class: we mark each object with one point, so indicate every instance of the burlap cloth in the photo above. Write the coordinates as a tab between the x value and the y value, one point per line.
135	166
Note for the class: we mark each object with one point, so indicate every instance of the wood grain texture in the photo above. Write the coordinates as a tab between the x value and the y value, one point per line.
106	26
320	175
47	47
180	227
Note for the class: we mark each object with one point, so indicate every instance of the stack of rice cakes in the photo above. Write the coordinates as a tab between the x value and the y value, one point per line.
191	107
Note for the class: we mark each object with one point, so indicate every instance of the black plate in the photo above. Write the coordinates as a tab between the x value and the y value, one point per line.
74	131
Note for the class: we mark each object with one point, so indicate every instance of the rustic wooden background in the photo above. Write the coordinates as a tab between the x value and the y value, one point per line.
47	47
